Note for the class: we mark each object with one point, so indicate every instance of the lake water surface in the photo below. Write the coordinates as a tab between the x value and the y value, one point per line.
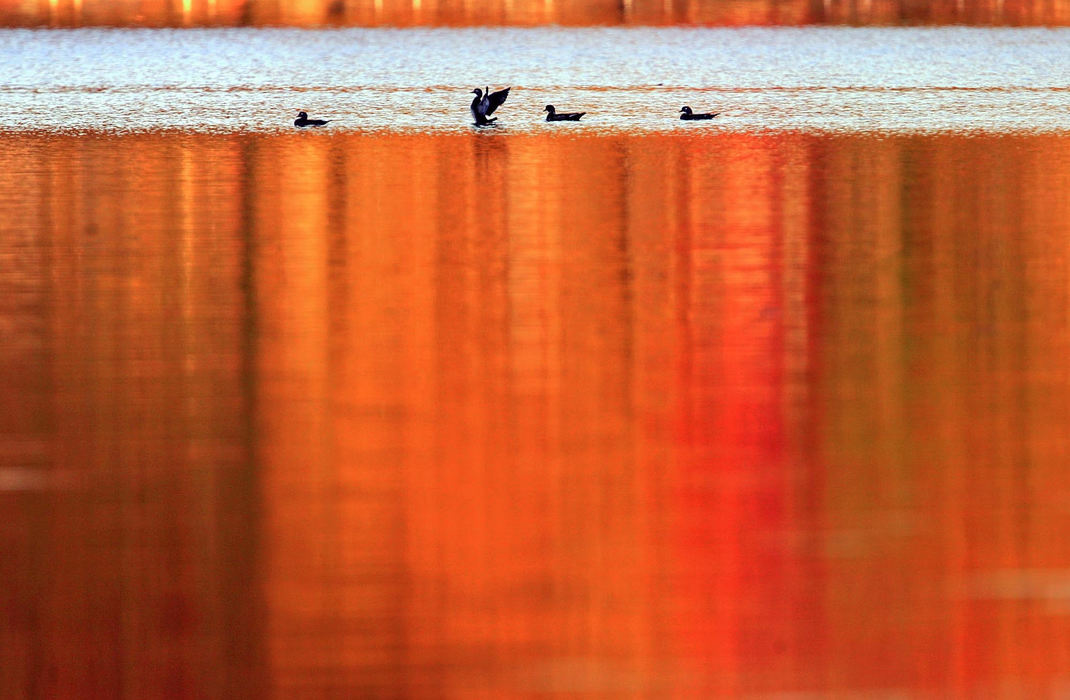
777	405
828	79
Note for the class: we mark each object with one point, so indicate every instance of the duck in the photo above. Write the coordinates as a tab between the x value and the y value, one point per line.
553	116
485	103
687	114
303	120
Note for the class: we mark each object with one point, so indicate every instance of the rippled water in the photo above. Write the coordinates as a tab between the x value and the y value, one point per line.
828	79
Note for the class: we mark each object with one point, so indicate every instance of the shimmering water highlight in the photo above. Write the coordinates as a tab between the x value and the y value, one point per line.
627	79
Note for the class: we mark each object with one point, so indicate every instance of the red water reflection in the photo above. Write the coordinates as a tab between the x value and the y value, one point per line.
334	414
365	13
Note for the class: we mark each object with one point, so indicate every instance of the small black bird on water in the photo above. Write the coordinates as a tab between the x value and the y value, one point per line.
485	103
686	114
303	120
553	116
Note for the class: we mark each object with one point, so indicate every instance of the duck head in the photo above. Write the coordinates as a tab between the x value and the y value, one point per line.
477	92
549	108
302	115
685	110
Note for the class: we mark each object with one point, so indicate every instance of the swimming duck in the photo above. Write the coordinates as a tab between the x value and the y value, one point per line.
485	103
553	116
303	120
686	114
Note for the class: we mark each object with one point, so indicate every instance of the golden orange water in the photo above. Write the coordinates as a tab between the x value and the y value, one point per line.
481	415
317	13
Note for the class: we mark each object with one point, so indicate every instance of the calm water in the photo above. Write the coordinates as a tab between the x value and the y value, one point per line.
758	408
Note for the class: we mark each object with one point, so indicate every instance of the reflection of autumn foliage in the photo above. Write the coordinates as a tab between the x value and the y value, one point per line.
731	413
529	12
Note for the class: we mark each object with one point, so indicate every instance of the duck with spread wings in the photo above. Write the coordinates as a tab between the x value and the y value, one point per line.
485	103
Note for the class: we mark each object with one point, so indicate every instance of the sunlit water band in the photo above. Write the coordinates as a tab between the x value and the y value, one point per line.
950	79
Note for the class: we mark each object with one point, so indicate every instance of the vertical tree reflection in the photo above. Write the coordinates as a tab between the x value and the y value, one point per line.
311	414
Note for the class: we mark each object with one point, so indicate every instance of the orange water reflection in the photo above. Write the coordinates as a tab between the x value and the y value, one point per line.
314	13
477	415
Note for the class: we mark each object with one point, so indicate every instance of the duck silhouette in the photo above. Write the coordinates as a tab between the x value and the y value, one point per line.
686	114
303	120
553	116
485	103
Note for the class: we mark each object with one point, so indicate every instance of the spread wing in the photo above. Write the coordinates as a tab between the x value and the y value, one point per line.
494	99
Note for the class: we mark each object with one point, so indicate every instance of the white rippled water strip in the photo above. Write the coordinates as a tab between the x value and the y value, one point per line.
823	79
